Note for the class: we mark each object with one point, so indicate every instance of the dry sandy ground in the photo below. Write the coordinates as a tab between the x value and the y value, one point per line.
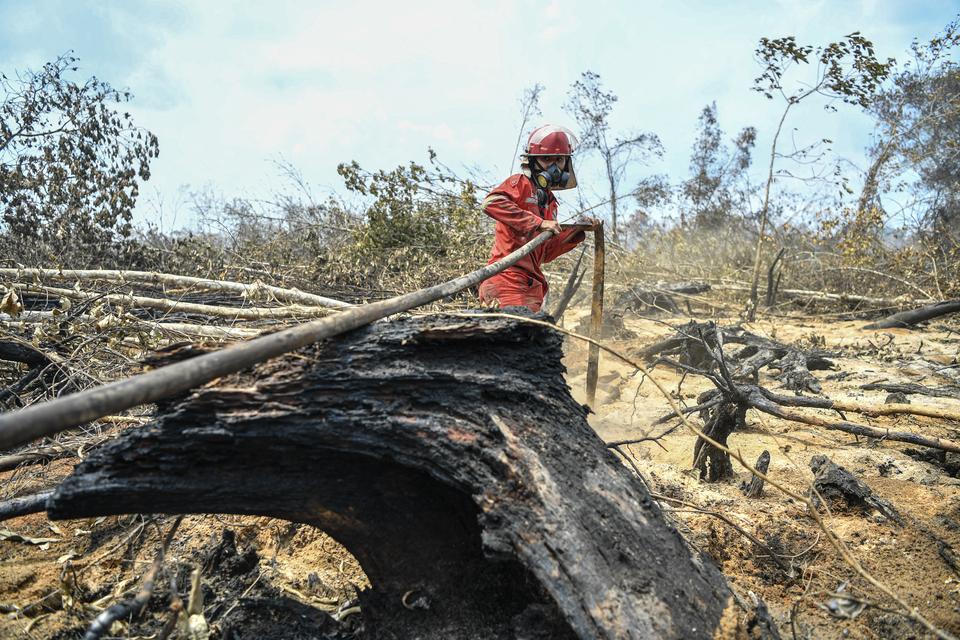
909	560
53	590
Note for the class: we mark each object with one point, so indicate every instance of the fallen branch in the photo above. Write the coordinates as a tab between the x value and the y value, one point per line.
926	294
183	328
869	410
40	454
826	296
16	507
151	277
911	388
763	400
178	306
907	319
17	350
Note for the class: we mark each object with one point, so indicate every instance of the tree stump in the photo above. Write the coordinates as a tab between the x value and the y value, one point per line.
843	490
719	422
448	456
754	488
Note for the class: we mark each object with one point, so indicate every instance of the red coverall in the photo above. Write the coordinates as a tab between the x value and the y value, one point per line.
514	206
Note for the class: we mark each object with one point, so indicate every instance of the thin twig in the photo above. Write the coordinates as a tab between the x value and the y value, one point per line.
101	624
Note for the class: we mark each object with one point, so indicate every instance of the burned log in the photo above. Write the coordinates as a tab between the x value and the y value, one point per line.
22	351
448	456
908	319
24	505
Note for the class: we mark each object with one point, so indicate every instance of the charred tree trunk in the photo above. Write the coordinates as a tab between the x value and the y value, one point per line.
448	456
713	463
754	488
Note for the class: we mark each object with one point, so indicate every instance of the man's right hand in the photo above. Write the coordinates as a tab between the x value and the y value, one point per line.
550	225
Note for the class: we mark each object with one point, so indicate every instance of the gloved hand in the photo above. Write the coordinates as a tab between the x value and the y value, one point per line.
550	225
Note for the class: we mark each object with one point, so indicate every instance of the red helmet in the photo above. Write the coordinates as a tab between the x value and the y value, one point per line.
551	140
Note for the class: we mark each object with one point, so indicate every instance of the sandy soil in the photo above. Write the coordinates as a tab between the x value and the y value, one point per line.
53	589
909	560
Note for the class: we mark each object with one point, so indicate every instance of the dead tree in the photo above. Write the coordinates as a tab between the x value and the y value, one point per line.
448	456
773	278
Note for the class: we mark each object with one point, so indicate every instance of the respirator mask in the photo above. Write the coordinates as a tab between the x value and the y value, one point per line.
552	177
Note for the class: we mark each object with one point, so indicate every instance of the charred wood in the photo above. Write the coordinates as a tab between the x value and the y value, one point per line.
693	341
913	388
908	319
754	488
843	490
21	351
24	505
448	456
719	422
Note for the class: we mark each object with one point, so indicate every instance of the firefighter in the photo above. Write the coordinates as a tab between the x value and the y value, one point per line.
523	206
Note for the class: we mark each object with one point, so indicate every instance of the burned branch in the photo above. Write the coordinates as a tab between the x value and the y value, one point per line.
911	388
909	319
693	341
24	505
837	485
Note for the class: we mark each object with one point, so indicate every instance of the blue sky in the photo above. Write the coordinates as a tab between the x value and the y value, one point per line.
231	87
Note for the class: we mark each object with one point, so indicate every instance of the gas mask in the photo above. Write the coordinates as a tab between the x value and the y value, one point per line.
552	177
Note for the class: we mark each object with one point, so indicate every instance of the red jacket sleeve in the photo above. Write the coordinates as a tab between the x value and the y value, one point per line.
501	205
561	243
